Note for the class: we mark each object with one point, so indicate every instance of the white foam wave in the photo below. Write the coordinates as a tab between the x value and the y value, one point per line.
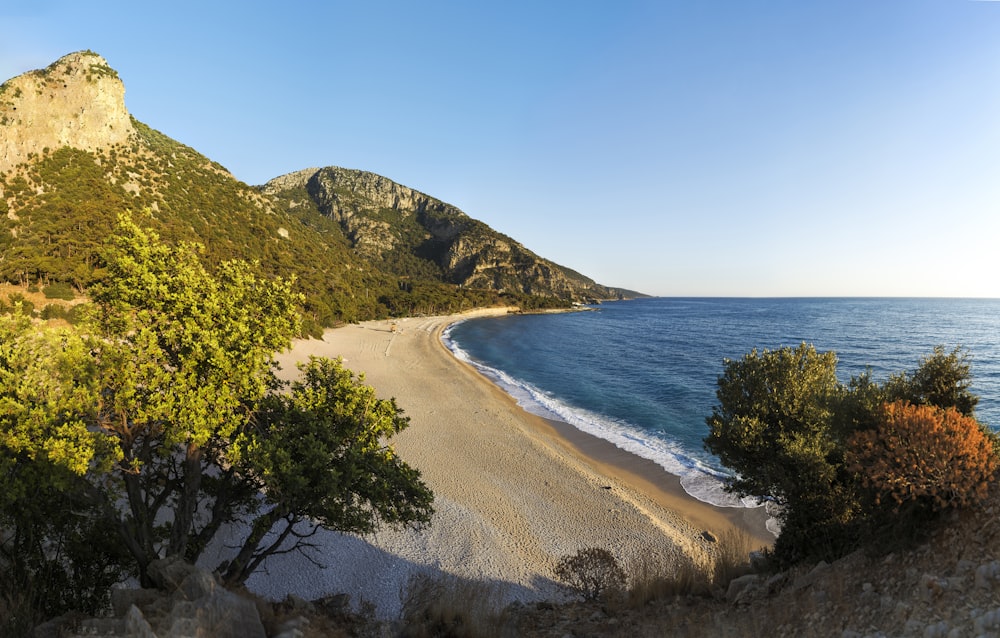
698	479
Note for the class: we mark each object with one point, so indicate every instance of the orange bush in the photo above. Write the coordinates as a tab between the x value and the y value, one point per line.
925	454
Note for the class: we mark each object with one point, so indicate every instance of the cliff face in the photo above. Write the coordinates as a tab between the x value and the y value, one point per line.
78	101
381	217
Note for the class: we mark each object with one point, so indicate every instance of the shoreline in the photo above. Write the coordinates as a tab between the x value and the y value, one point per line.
513	492
639	473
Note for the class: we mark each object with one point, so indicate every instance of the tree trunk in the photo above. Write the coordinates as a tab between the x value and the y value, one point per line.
180	531
237	570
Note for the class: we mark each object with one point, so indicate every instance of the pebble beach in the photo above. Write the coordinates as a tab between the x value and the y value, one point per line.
513	492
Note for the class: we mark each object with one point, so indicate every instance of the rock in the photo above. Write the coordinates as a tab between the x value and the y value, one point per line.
986	574
168	573
123	599
807	580
198	584
709	537
740	587
136	625
77	101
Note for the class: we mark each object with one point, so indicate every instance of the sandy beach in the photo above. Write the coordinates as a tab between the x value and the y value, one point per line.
513	492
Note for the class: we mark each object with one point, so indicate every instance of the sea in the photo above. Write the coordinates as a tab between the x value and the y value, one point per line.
642	373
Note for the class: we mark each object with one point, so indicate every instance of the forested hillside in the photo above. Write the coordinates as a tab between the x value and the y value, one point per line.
67	173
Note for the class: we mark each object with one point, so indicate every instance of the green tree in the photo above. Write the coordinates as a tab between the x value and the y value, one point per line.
57	551
774	427
943	380
164	410
183	358
320	456
828	452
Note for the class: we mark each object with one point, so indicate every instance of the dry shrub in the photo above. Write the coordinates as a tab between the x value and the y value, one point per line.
651	578
451	607
732	556
923	454
593	573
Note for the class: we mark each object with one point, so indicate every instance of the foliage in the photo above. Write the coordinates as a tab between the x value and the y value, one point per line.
56	551
59	290
159	420
320	457
828	453
772	422
774	426
923	453
943	379
65	201
593	573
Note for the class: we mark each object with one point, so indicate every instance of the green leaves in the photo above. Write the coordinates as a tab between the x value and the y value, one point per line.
195	349
771	422
162	408
48	396
794	434
322	450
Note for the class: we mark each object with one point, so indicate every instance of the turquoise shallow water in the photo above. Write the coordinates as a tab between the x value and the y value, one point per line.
642	373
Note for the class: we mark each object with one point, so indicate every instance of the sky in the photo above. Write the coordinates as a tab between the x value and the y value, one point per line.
678	148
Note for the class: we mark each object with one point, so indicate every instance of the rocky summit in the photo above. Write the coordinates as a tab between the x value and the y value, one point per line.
78	101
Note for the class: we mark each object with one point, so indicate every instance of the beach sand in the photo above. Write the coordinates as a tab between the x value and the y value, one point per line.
513	492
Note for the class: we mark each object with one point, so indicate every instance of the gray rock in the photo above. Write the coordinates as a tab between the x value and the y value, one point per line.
122	599
136	625
740	587
198	584
168	573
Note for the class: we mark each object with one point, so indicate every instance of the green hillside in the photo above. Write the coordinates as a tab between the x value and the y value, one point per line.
355	254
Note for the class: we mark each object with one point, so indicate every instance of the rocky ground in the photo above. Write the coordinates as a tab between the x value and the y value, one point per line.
948	587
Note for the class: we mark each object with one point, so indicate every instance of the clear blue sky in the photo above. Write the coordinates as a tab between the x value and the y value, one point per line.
740	147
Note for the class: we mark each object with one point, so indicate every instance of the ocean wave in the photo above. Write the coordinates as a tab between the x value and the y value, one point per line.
697	478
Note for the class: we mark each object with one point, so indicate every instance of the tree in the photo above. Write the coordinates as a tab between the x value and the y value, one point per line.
164	416
57	551
830	454
923	454
773	426
182	359
320	458
943	379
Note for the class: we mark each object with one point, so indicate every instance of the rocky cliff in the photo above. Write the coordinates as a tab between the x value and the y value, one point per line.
78	101
382	219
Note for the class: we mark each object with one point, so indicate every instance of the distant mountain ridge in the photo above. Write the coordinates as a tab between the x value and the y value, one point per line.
386	221
362	246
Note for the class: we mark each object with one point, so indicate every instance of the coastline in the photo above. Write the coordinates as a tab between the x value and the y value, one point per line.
513	492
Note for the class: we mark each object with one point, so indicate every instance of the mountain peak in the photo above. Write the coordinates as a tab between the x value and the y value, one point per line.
77	101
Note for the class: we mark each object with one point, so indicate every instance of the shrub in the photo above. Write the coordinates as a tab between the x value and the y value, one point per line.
923	454
452	607
652	578
592	573
59	290
732	557
27	308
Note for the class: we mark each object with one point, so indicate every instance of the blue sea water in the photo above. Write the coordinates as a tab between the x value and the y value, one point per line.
642	373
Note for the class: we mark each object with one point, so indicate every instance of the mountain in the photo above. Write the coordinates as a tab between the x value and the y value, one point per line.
361	246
